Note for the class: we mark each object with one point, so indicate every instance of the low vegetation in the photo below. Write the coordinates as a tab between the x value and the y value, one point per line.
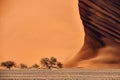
47	63
35	66
61	74
23	66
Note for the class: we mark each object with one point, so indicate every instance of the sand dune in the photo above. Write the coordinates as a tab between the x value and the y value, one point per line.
101	20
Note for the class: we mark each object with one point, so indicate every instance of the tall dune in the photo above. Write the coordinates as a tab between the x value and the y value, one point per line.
101	49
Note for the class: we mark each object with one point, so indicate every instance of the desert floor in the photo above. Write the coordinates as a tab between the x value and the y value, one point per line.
59	74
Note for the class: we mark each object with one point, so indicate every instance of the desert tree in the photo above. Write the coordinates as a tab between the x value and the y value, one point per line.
8	64
23	66
52	61
35	66
59	65
45	62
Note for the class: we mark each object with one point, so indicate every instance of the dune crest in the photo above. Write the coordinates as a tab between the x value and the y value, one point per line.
101	20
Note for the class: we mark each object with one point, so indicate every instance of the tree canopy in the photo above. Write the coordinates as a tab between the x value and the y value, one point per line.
50	63
8	64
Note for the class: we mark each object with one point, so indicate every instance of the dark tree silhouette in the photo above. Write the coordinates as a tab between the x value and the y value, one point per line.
53	61
8	64
59	65
50	63
45	62
35	66
23	66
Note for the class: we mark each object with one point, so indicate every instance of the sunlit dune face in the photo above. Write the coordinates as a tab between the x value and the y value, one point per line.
32	29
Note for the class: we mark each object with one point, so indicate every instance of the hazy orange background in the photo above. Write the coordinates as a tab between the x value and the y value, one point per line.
32	29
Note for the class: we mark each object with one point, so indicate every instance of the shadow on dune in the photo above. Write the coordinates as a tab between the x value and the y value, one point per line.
101	20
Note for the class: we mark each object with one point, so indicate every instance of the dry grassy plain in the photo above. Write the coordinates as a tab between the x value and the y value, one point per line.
59	74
